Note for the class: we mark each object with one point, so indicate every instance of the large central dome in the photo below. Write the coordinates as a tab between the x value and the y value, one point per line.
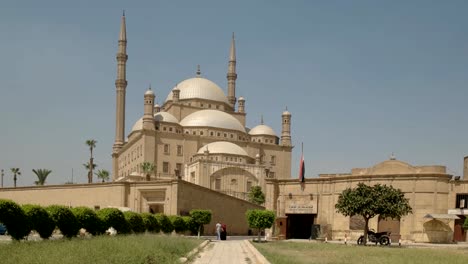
200	88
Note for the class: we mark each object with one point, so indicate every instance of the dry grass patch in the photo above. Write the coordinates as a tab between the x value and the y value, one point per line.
100	250
321	253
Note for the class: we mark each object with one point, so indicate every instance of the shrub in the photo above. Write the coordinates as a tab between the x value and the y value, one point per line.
200	217
88	219
151	223
39	220
135	222
64	219
190	225
112	217
165	223
14	218
260	219
178	223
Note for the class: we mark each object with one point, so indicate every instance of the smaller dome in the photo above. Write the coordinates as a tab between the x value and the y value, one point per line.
158	117
241	98
262	130
212	118
149	92
223	147
156	106
286	113
165	117
138	125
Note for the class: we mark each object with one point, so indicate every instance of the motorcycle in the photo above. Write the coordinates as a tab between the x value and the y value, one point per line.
381	237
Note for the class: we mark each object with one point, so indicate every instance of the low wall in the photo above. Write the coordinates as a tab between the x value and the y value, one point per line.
226	209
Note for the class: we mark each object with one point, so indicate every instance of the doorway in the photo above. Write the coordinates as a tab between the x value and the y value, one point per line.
459	233
299	226
390	225
156	208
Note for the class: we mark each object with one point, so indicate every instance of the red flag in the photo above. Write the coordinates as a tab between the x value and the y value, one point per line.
302	169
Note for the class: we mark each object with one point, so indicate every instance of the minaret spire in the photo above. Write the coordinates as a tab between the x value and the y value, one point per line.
120	86
232	75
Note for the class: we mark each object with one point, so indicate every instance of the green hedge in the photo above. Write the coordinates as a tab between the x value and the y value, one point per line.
113	217
178	223
135	222
165	223
151	223
14	218
64	219
190	225
88	219
39	220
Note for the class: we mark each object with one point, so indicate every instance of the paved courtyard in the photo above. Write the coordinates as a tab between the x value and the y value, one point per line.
229	251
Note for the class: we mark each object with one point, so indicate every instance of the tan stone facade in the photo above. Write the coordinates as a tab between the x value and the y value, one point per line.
171	197
430	190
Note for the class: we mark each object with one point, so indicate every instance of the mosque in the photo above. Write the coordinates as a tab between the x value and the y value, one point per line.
206	158
199	135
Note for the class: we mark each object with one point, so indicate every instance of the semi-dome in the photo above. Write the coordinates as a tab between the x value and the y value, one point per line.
165	117
223	147
262	130
200	88
158	117
212	118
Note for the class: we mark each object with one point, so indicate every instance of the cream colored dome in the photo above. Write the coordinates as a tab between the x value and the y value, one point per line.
212	118
223	147
262	130
158	117
201	88
165	117
149	92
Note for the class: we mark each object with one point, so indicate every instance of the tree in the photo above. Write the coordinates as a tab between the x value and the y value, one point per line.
89	169
91	143
260	219
200	218
15	171
256	195
369	201
103	175
41	175
147	168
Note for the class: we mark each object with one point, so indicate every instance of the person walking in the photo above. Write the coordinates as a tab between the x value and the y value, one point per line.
218	231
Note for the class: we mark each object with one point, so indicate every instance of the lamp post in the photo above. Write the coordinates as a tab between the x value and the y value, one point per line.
2	178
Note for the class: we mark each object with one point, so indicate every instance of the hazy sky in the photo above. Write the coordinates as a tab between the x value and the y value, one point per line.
362	79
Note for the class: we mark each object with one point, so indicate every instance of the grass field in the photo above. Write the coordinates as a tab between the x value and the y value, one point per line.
148	249
321	253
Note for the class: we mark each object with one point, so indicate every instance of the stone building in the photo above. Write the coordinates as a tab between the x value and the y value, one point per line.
198	134
439	202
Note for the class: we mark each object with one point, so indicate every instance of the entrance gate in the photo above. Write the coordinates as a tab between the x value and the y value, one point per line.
299	226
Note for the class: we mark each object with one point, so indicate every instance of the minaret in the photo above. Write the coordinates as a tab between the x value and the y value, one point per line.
286	128
241	108
232	75
148	115
175	95
121	85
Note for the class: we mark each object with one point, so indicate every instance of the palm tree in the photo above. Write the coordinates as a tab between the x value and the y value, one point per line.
87	167
148	168
103	175
41	175
91	143
15	171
